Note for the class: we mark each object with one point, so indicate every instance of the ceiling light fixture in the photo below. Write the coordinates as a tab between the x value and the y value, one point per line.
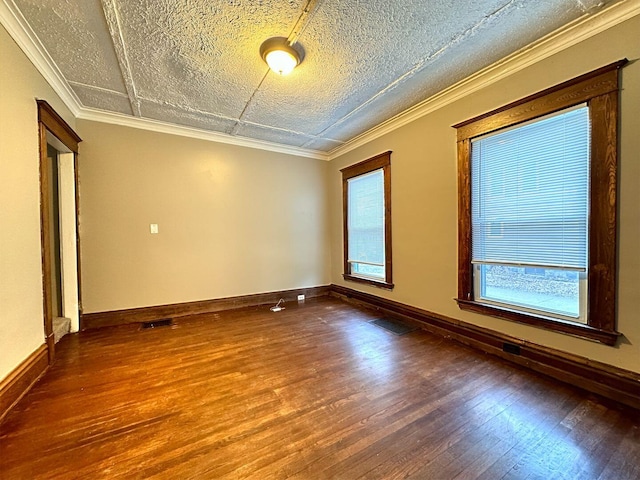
281	56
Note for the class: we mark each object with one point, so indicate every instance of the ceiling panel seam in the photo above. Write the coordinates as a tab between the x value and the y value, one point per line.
186	108
231	119
298	28
286	130
423	63
111	16
307	14
420	65
595	4
97	88
234	130
577	31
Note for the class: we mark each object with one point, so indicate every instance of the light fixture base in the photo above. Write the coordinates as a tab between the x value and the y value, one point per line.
279	46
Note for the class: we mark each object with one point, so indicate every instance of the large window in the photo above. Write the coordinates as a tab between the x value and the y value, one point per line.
529	211
367	221
537	210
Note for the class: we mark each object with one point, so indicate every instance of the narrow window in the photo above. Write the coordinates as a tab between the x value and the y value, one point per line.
537	184
367	221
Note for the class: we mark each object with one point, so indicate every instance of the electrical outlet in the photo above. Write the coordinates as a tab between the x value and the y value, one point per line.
153	228
301	298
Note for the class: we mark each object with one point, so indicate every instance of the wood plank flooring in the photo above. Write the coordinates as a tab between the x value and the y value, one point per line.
312	392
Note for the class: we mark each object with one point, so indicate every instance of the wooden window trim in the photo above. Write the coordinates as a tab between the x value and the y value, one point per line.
381	161
599	89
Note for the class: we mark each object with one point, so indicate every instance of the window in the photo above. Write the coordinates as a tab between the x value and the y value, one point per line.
366	192
529	211
537	208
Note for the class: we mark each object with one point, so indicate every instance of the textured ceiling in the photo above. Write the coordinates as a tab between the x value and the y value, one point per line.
196	63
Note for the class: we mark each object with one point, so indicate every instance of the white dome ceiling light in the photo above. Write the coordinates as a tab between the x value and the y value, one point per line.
281	56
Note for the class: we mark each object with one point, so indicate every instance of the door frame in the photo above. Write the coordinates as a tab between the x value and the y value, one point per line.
49	120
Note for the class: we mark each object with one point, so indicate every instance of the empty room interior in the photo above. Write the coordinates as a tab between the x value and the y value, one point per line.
320	239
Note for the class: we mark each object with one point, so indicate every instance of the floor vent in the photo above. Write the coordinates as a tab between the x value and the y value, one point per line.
511	348
166	322
394	326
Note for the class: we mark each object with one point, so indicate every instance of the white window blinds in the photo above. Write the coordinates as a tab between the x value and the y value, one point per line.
530	187
365	217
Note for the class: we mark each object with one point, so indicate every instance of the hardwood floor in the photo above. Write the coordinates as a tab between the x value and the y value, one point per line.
312	392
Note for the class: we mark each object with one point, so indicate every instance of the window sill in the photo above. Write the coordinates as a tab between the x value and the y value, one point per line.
585	331
375	283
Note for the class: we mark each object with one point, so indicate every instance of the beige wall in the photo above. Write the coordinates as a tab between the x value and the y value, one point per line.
424	198
21	316
236	221
232	220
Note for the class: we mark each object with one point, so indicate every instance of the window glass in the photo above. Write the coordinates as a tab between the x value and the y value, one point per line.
529	204
366	224
366	194
537	213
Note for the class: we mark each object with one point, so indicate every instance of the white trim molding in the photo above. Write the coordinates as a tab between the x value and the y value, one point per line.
17	26
577	31
183	131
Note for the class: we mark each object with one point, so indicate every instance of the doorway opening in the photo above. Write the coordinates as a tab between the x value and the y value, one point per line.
59	226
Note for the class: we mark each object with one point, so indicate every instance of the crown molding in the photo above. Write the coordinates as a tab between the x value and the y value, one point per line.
18	28
173	129
577	31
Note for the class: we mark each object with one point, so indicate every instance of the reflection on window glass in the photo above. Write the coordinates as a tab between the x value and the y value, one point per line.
367	270
544	289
